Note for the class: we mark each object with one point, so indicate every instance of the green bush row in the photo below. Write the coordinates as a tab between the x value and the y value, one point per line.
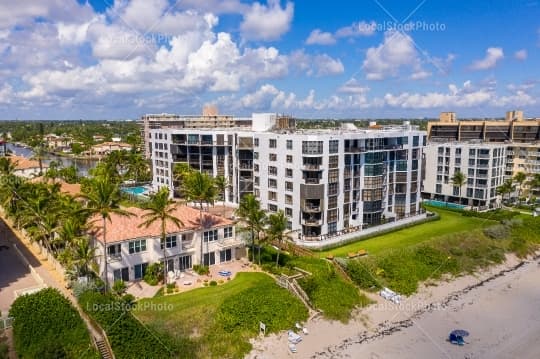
47	326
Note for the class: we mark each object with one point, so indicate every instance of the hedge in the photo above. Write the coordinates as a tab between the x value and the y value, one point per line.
46	325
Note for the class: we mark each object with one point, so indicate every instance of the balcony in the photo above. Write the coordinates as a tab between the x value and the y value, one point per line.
355	149
310	208
311	221
312	180
245	164
187	246
114	257
312	166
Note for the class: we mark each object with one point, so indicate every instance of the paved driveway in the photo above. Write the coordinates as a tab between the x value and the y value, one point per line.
14	274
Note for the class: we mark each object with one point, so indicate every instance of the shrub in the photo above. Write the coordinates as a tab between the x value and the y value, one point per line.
221	281
498	231
154	273
213	283
201	270
119	287
46	325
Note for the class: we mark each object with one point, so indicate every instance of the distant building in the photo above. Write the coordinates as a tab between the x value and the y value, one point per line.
483	165
131	248
103	149
25	167
98	138
58	143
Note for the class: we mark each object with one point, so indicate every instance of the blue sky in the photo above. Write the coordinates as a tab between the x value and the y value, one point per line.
104	59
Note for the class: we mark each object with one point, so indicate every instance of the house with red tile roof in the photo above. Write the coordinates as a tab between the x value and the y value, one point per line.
26	167
132	247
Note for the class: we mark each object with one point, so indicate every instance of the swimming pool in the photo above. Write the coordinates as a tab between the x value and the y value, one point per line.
442	204
136	191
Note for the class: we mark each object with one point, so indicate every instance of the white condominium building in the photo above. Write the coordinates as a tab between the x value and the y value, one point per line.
327	182
483	165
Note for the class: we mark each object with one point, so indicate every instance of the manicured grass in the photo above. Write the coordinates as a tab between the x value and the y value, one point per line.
216	322
449	222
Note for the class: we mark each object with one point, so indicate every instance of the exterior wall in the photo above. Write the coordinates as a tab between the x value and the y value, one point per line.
483	164
523	157
189	245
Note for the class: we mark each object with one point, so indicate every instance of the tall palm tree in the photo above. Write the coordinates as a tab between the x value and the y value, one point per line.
199	188
277	225
103	199
180	171
459	179
221	185
250	212
83	256
161	208
520	178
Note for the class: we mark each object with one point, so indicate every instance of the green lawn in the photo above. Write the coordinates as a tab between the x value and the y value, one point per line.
450	222
217	321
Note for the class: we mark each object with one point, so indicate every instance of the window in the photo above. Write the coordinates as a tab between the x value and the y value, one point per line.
332	188
333	175
272	207
312	147
137	246
209	258
289	144
472	152
288	212
332	202
170	242
256	180
289	186
272	143
332	215
256	142
456	191
256	155
288	199
272	170
225	255
288	172
272	157
333	161
272	183
114	251
272	196
289	159
227	232
256	167
209	236
415	141
438	188
332	227
333	146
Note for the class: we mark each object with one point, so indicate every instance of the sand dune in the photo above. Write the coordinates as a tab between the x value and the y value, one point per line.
500	307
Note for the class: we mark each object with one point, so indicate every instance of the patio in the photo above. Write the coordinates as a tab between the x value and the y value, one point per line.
189	280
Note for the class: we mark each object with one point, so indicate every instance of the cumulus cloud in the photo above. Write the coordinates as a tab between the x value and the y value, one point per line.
520	55
397	51
318	37
493	55
361	28
267	22
353	86
315	65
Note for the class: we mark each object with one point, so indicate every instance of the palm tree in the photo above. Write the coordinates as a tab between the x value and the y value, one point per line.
277	224
7	167
459	179
103	199
250	212
180	171
161	208
520	178
83	255
199	188
506	188
221	185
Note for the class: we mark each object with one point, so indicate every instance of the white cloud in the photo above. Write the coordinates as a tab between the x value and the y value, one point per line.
493	55
361	28
216	6
315	65
420	75
397	51
267	22
520	55
318	37
353	86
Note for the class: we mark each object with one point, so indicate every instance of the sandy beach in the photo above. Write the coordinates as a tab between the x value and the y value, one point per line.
500	307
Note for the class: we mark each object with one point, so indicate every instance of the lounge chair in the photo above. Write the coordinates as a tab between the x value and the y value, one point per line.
294	338
292	348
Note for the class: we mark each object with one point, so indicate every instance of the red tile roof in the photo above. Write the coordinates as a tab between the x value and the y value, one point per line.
23	163
122	228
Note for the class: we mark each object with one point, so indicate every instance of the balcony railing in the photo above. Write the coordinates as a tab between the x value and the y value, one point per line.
311	208
114	257
311	166
312	180
312	222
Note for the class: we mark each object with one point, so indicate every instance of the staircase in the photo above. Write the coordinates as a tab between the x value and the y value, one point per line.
103	349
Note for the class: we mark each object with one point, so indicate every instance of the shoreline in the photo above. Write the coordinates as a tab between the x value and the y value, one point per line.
386	330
